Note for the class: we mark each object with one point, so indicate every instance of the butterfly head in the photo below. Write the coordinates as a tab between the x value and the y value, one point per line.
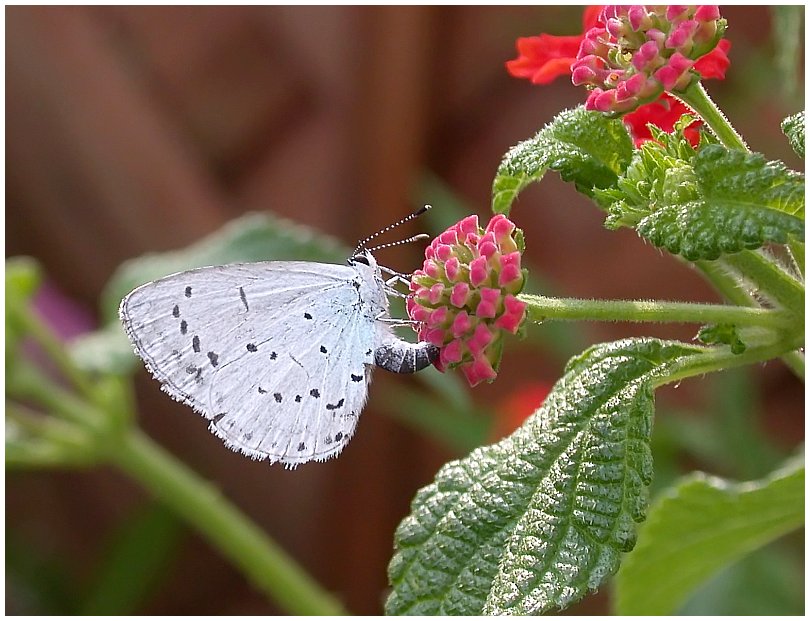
364	257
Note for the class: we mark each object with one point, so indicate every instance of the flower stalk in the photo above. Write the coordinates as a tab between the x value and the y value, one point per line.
698	100
540	308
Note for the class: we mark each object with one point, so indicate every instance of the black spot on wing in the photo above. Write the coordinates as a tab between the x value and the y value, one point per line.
302	447
307	316
218	417
262	391
188	292
176	311
183	327
277	397
323	349
334	406
315	393
298	398
243	297
338	436
357	378
272	355
195	344
214	358
251	347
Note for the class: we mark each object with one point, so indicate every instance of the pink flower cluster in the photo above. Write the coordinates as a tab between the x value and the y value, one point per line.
464	295
635	53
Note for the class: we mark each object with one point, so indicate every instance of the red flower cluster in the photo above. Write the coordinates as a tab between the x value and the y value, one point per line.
463	298
665	40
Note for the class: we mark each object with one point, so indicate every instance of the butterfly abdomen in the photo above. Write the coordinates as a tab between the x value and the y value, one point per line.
400	356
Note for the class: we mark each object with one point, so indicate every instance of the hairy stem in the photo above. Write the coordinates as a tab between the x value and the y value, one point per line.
541	308
698	99
239	539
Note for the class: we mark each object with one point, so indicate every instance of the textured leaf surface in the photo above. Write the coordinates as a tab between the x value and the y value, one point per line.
586	148
253	237
535	521
702	525
793	126
700	230
705	204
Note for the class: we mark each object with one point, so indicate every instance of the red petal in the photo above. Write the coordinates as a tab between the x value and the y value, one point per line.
715	63
663	113
590	16
543	58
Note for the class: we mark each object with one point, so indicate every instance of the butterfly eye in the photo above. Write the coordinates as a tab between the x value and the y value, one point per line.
360	258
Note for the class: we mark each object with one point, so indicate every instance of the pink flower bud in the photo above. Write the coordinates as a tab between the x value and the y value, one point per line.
460	295
510	270
433	335
478	271
487	248
481	338
431	269
462	324
707	13
682	35
468	225
582	75
479	371
435	293
488	306
438	317
513	315
452	352
417	312
638	18
675	12
646	55
443	252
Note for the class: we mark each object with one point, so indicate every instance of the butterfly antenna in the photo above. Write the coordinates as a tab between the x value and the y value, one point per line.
400	242
415	214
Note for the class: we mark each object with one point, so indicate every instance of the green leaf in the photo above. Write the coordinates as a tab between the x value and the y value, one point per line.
793	128
253	237
535	521
586	148
702	205
706	231
703	524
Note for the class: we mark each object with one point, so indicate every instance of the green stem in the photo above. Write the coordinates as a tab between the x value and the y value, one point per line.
720	358
698	99
258	556
796	250
31	323
541	308
718	273
769	280
26	382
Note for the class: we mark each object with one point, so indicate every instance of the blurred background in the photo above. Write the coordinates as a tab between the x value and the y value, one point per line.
141	129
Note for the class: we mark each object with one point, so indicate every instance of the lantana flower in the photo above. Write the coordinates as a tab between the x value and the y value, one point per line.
661	109
463	298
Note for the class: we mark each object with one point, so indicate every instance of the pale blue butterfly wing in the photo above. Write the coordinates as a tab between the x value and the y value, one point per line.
276	355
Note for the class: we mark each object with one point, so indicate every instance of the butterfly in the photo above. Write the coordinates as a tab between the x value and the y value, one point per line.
276	355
